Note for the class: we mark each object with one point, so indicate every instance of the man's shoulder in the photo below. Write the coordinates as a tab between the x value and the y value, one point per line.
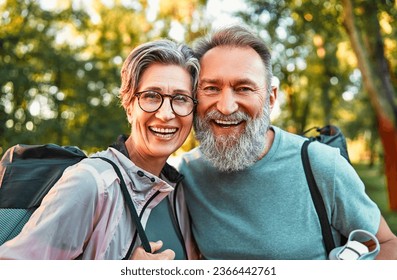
316	148
322	156
189	160
288	137
192	155
327	161
322	151
286	142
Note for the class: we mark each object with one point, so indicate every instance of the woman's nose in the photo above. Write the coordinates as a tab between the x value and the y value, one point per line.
165	112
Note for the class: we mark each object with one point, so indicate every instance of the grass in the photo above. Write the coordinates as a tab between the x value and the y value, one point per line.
375	185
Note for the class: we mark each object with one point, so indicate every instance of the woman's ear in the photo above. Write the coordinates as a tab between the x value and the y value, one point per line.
129	113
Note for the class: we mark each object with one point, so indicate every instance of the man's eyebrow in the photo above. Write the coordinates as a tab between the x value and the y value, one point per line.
243	82
209	81
237	82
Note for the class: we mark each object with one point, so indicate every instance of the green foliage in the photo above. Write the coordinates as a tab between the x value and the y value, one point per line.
375	186
45	83
59	74
316	66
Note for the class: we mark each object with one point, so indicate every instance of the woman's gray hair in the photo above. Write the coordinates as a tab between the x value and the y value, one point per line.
236	36
162	51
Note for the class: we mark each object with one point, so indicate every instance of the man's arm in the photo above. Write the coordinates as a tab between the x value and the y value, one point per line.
387	241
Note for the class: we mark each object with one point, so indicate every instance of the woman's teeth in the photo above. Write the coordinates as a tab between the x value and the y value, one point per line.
163	132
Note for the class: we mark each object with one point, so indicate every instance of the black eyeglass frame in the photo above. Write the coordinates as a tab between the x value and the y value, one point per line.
138	94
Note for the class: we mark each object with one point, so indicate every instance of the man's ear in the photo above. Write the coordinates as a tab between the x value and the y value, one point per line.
273	96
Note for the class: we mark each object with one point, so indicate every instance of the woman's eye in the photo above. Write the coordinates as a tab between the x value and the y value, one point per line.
151	95
180	98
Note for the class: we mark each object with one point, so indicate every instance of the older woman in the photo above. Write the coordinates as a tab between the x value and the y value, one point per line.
84	215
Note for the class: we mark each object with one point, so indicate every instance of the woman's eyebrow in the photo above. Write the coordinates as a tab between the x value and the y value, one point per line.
184	91
154	88
160	90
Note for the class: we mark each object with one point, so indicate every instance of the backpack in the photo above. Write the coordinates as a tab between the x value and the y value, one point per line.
28	172
332	136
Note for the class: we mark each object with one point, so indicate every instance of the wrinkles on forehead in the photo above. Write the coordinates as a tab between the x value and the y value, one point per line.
168	90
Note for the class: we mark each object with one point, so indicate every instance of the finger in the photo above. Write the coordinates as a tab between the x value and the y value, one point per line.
155	246
166	255
140	254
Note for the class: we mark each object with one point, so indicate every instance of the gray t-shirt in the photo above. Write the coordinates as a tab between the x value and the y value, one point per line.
266	211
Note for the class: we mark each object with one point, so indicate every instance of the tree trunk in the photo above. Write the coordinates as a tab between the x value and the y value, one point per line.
388	136
368	47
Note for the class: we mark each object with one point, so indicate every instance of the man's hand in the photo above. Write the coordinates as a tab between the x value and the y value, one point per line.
141	254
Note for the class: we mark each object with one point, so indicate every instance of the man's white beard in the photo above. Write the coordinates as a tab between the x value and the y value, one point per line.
229	153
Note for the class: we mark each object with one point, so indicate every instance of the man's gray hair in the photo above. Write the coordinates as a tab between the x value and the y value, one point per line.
236	36
161	51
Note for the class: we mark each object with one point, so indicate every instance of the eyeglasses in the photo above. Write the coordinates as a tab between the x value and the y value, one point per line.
150	101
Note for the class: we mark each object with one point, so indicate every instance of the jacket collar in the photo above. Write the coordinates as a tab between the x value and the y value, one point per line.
168	171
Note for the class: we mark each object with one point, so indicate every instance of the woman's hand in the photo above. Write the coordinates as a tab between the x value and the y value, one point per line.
141	254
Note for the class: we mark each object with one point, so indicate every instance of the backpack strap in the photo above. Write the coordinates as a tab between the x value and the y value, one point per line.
131	207
317	199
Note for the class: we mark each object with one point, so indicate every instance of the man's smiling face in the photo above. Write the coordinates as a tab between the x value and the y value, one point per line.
233	112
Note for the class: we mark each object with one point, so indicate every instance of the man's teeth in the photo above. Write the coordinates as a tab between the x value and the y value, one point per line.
222	122
163	130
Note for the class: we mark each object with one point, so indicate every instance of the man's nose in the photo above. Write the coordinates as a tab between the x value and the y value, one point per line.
227	103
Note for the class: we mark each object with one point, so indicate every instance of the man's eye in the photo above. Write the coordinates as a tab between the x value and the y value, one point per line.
244	90
211	90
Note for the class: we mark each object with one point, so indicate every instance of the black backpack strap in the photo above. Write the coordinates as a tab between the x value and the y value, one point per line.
317	200
134	214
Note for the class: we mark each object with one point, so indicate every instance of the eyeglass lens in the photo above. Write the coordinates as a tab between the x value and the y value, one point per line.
151	101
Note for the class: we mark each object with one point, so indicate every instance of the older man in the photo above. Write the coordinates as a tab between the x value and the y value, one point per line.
245	185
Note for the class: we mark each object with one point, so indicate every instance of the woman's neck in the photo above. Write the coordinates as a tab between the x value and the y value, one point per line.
151	164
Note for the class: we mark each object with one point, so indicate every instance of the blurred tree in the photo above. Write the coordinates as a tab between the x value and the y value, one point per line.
60	64
362	23
305	37
36	74
316	63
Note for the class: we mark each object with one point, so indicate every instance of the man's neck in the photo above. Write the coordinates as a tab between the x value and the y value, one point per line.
269	142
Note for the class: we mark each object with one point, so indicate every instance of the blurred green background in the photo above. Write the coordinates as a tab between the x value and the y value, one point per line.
335	62
374	180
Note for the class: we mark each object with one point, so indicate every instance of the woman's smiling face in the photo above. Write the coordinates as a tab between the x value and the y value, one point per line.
160	133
